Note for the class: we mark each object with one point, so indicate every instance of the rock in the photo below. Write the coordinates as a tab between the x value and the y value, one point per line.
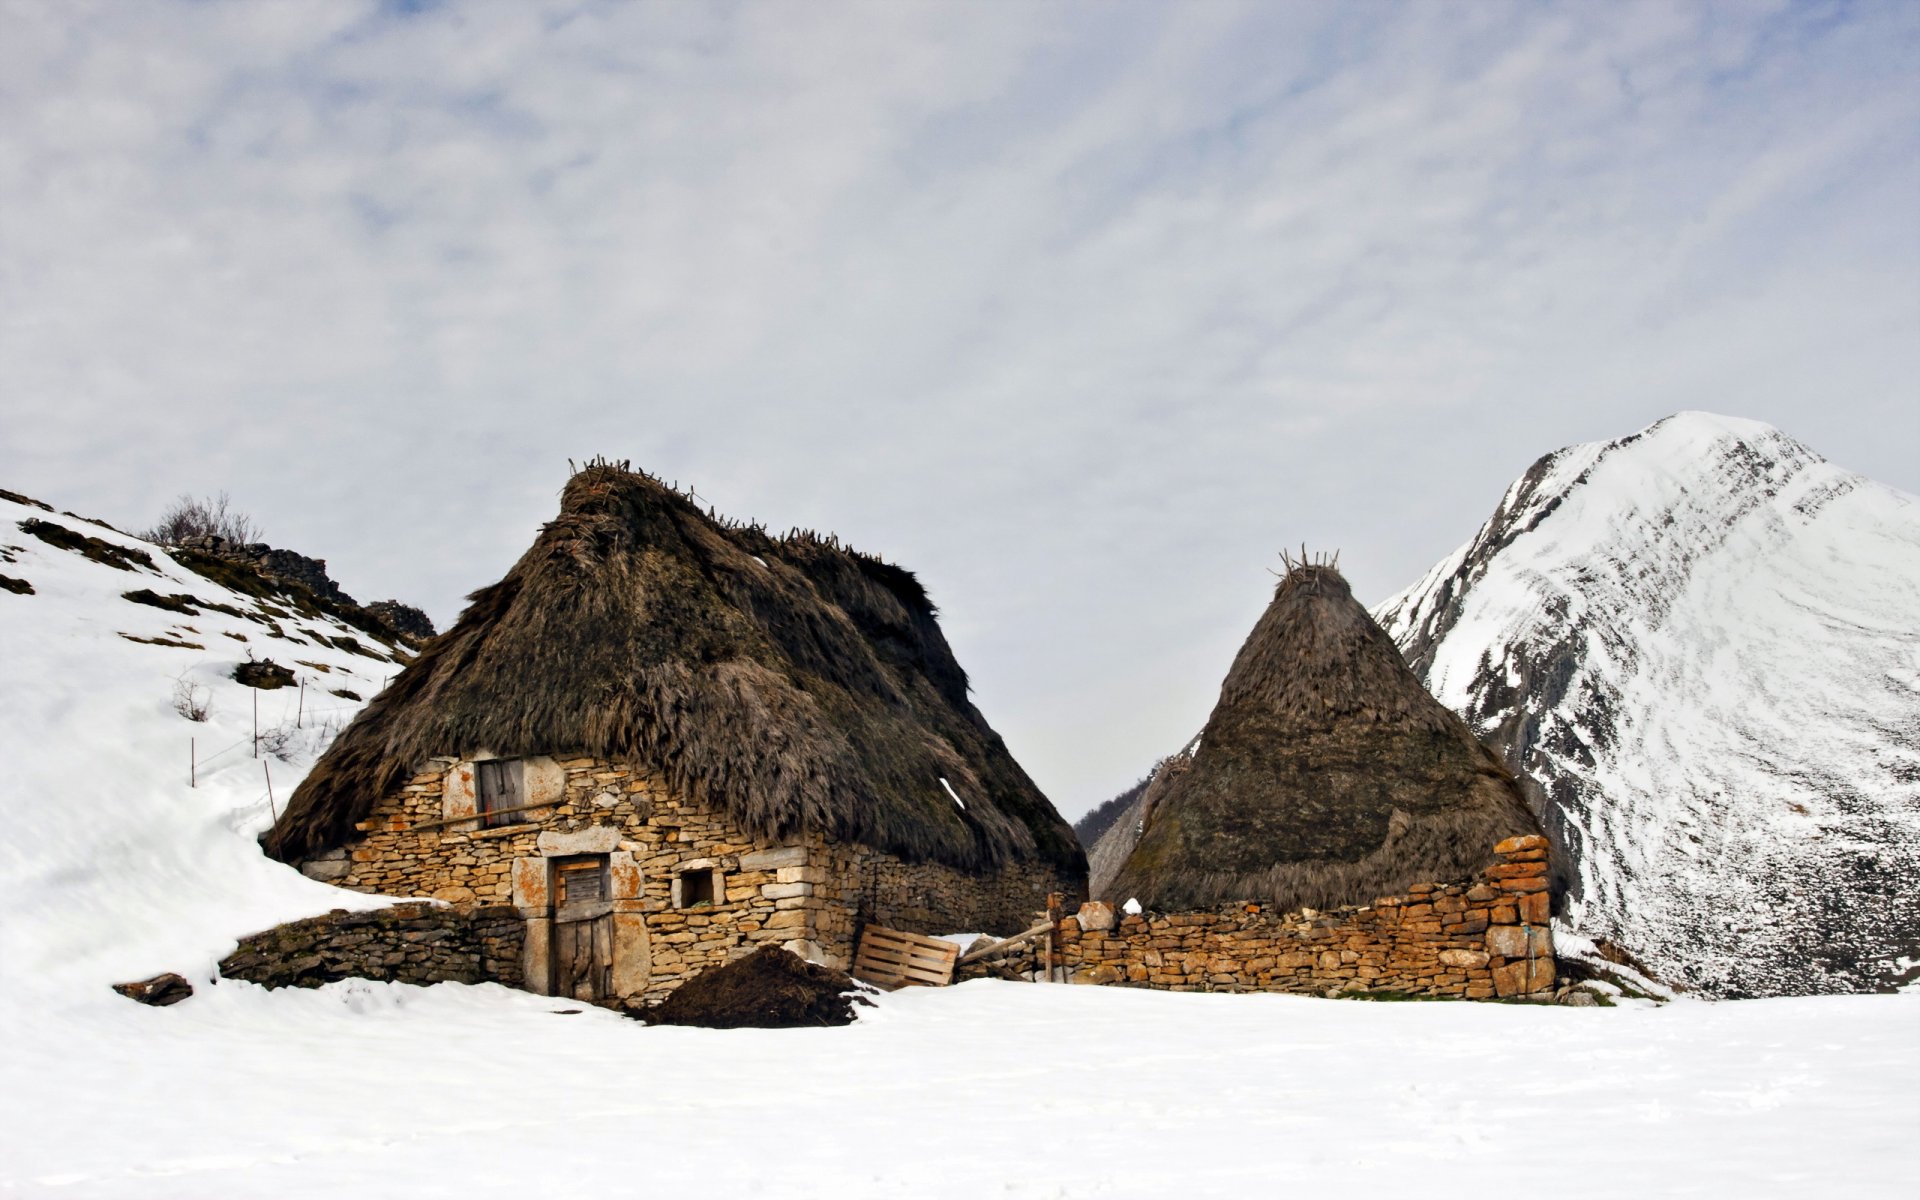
1463	958
1095	916
1515	845
159	991
265	675
1507	941
403	619
1099	973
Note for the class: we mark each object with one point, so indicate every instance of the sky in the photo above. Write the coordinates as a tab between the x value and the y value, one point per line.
1083	312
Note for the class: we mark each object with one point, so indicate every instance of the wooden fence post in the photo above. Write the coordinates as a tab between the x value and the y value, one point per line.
1054	901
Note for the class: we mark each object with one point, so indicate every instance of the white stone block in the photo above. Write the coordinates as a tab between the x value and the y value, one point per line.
599	839
780	856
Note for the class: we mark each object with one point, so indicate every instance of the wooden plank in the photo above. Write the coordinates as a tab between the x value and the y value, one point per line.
603	958
886	941
907	953
1044	927
894	958
890	954
498	812
923	973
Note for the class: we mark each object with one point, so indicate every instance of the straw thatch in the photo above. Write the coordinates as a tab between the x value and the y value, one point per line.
1325	776
789	682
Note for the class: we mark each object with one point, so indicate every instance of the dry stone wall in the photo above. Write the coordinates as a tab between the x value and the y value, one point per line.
408	943
1478	940
809	896
862	885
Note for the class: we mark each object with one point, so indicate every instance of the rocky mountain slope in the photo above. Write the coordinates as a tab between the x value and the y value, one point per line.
1700	645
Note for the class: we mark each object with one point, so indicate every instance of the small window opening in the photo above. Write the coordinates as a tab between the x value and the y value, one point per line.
580	880
696	887
500	787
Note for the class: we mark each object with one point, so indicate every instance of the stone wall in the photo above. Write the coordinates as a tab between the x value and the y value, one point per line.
1482	939
868	886
408	943
809	895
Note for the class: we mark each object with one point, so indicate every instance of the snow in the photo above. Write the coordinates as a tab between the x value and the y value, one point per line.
985	1088
1733	755
112	868
956	795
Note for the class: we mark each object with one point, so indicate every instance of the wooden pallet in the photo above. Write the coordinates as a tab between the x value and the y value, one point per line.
889	958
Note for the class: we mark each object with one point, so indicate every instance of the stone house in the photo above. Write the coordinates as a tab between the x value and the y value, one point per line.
665	740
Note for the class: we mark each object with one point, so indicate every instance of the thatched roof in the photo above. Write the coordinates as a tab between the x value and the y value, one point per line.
793	683
1325	776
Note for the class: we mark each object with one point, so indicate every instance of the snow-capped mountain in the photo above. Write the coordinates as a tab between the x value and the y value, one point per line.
1700	647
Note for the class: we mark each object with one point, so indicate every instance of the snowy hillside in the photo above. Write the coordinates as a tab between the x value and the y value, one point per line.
112	866
1701	647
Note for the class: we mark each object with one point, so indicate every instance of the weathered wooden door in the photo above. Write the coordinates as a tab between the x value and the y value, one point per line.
582	929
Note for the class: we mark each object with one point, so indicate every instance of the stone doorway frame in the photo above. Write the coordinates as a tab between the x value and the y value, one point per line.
533	897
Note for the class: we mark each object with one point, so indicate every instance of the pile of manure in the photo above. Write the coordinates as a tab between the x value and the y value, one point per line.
768	989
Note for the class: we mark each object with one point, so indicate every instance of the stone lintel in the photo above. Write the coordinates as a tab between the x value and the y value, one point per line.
779	856
597	839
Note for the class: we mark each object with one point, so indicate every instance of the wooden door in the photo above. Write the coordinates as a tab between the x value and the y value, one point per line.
582	929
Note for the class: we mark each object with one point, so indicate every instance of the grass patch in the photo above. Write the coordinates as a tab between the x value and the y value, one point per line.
323	668
175	603
297	598
29	501
180	602
18	587
353	646
91	547
164	641
347	694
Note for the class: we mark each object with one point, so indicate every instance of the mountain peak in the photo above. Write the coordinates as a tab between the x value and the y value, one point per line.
1700	644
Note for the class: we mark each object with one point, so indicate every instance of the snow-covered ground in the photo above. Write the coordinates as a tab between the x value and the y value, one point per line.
984	1089
112	868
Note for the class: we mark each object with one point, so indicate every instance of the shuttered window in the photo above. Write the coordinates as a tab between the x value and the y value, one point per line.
500	787
581	880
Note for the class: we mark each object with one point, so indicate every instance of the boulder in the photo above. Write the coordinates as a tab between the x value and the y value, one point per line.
265	674
159	991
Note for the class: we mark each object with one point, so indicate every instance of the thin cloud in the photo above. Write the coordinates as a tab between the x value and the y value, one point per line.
1080	311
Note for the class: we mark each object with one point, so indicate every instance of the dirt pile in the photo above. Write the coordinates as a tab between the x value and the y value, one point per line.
768	989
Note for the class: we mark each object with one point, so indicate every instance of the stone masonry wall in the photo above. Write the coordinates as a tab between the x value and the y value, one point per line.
408	943
863	885
1483	939
811	896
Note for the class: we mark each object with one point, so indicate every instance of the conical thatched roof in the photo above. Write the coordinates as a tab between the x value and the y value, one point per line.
793	683
1325	776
